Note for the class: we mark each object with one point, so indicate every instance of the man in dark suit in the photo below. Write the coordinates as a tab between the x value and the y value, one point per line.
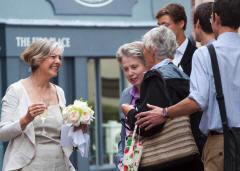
174	17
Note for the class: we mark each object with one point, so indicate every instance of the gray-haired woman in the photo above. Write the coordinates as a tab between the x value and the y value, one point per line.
31	115
131	60
163	84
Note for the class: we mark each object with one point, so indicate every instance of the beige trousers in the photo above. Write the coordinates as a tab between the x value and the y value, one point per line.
213	153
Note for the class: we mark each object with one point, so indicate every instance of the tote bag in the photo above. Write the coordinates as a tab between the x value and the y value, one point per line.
172	146
132	153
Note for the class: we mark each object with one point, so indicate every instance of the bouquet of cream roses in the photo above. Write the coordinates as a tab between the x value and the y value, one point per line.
74	115
78	113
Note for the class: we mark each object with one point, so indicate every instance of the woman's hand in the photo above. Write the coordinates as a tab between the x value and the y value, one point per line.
83	127
33	111
126	108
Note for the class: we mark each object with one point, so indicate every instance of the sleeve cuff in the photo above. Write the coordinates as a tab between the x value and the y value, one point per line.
198	99
10	130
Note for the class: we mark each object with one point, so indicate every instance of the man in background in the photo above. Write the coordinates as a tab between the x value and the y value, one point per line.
202	26
174	17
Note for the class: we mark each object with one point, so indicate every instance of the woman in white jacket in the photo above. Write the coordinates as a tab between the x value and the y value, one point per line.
31	115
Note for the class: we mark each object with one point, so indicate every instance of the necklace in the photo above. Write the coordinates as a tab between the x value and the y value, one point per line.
43	94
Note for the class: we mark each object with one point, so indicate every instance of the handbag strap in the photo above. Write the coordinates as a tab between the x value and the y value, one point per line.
134	132
218	86
133	139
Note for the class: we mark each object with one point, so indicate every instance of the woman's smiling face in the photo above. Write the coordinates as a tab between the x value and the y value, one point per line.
52	63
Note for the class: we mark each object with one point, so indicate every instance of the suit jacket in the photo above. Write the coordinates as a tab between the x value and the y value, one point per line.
21	147
186	61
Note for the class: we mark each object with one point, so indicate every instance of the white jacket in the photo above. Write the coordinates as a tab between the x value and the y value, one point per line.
21	148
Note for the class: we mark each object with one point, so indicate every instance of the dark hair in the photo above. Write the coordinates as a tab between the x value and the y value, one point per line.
203	14
228	11
176	13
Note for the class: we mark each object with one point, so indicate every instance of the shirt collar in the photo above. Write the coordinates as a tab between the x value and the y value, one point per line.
227	36
162	63
134	92
181	49
210	42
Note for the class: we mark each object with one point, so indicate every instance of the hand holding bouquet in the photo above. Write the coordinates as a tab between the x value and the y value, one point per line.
78	113
76	116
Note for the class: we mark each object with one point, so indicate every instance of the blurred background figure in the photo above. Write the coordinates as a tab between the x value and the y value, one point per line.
174	17
202	23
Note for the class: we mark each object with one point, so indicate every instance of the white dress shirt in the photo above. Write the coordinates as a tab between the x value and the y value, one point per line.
179	53
202	88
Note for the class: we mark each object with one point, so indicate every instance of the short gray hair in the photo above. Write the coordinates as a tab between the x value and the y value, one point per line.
133	49
38	51
163	40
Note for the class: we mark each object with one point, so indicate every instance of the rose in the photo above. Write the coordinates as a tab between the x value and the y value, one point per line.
81	105
84	107
78	113
74	118
86	118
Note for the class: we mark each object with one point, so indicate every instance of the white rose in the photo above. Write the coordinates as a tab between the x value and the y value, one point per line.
79	103
85	119
74	118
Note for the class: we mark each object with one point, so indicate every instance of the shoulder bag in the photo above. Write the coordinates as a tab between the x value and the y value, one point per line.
172	146
231	134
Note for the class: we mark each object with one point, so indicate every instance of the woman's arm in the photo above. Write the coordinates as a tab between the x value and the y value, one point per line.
153	91
10	125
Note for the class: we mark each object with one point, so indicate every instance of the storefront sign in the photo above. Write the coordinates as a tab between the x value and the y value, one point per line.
77	41
23	42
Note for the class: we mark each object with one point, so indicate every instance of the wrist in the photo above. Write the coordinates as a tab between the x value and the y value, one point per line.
165	112
28	118
24	121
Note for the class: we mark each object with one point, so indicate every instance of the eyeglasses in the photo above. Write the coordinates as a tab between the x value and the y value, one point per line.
164	24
